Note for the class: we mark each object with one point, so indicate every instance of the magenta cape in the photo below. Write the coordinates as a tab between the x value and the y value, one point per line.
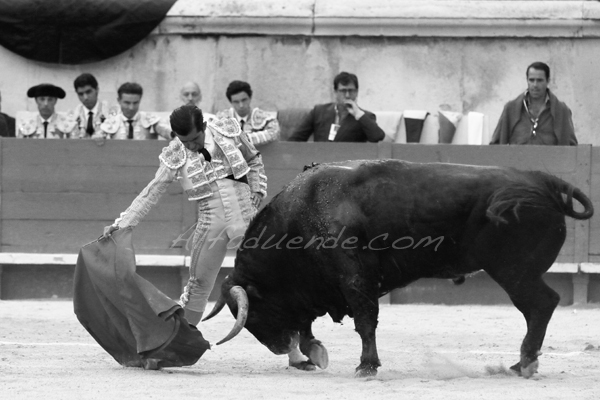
131	319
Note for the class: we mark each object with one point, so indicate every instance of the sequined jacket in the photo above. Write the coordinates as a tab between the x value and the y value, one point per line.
30	125
145	126
80	115
262	127
232	154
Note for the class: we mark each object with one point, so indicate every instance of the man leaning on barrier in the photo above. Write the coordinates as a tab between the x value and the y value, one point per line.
536	116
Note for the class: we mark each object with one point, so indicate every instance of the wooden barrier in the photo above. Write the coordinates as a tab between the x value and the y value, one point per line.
57	195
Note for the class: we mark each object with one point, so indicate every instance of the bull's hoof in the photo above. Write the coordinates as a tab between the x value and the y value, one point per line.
303	365
516	368
528	371
365	371
318	355
150	363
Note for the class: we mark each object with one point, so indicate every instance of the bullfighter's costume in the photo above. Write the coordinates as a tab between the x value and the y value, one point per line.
143	125
261	126
221	186
554	125
33	125
320	119
88	121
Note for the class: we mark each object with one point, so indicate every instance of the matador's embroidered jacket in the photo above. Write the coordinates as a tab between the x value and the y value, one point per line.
145	126
59	126
232	154
262	126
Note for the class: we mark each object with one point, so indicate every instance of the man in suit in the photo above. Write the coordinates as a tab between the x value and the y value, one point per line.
7	123
340	121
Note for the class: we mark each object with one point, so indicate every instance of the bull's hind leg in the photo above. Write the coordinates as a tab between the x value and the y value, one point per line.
537	302
361	292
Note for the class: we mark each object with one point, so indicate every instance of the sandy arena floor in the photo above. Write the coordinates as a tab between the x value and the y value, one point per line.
427	352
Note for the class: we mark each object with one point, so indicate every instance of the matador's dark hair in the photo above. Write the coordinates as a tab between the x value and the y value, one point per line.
186	117
236	87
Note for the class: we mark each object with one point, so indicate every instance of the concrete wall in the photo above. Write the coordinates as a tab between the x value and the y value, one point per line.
445	54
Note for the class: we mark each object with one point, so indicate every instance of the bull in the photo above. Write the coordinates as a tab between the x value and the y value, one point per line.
341	235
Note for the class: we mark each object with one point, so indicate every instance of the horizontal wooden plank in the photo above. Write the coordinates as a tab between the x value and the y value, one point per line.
590	268
149	237
81	152
83	206
551	159
146	260
569	268
294	156
60	178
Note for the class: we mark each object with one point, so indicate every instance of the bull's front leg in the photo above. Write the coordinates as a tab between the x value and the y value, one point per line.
311	348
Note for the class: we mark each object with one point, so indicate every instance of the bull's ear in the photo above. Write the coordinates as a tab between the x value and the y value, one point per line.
253	291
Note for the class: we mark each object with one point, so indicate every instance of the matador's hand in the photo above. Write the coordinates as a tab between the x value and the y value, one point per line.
108	230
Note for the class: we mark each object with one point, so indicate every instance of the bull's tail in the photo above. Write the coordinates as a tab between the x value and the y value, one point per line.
546	191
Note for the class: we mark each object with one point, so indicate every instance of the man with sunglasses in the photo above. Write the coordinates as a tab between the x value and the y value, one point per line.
342	120
536	117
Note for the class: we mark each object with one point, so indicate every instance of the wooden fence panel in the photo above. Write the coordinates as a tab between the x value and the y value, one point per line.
57	195
594	239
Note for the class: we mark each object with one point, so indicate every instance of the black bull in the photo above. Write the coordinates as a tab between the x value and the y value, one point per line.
341	235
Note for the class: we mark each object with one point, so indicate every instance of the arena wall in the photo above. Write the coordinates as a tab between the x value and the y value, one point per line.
56	196
408	54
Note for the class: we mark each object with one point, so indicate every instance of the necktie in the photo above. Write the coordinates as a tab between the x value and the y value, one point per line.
130	134
45	129
242	124
90	124
206	154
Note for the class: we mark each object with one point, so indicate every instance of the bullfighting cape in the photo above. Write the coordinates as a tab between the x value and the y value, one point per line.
130	318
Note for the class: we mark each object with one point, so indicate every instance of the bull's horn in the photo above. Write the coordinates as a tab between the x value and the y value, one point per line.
241	298
217	308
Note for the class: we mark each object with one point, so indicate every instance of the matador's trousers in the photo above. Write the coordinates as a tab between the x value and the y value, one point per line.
222	222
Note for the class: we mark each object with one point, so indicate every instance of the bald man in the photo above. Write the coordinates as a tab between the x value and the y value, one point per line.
192	95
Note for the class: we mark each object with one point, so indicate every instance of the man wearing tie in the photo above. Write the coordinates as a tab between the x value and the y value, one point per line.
261	126
90	113
46	123
129	122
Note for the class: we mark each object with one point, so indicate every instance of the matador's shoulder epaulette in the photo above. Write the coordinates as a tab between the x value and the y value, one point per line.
174	155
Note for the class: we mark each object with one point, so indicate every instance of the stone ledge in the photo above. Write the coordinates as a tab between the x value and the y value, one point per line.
393	18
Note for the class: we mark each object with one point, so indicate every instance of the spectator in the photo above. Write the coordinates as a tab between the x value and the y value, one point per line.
7	123
261	126
47	123
223	174
536	116
342	121
129	122
90	113
191	94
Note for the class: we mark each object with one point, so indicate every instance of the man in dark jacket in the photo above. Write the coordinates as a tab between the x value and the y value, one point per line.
342	120
7	123
536	116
